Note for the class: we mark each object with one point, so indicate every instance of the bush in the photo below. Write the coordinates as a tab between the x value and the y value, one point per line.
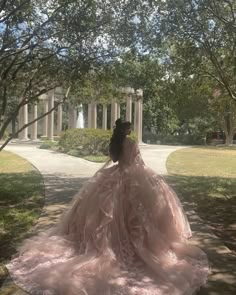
186	139
46	145
5	135
86	142
74	153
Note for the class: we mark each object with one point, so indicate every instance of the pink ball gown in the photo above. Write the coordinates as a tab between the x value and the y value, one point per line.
125	233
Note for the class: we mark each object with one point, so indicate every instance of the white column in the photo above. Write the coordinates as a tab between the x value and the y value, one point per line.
23	119
75	116
72	117
34	126
118	110
51	116
135	116
20	121
141	120
59	119
113	113
104	117
137	120
89	115
138	124
45	119
129	108
94	115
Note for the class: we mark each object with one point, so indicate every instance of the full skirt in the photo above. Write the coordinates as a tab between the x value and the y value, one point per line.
125	233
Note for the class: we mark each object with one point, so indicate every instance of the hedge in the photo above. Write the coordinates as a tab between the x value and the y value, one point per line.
86	142
186	139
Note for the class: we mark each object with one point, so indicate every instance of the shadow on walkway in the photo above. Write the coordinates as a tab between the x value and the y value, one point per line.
60	191
222	279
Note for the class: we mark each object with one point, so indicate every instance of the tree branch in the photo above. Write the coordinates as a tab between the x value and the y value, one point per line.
35	120
4	102
22	103
214	77
3	5
14	11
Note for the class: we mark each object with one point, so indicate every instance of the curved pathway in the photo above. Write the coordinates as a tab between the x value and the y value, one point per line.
63	174
63	177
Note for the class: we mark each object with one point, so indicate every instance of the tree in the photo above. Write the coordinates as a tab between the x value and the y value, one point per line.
224	111
208	28
48	44
197	39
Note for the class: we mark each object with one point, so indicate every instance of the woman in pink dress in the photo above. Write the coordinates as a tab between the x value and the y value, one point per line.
125	233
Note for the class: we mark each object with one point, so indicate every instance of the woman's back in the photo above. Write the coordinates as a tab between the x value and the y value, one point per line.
129	153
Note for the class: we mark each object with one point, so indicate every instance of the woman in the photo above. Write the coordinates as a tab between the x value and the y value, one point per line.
125	234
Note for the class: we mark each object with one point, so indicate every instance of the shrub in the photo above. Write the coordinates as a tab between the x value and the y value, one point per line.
74	153
48	145
186	139
5	135
86	142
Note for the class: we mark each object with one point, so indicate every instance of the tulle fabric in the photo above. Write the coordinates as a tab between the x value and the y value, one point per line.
125	234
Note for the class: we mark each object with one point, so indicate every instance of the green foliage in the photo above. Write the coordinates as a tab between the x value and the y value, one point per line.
86	142
185	139
203	35
21	199
5	135
96	86
49	44
206	178
48	144
96	159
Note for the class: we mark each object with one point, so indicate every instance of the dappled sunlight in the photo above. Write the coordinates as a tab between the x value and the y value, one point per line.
214	199
21	199
206	197
60	191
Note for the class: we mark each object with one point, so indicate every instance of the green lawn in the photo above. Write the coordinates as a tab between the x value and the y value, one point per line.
21	200
97	159
207	177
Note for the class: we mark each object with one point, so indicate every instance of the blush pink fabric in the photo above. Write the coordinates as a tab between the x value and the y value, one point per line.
125	234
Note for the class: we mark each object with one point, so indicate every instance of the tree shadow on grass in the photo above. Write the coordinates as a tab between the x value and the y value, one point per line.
22	198
214	200
21	201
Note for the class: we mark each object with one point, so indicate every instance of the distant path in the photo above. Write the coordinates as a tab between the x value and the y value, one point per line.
47	161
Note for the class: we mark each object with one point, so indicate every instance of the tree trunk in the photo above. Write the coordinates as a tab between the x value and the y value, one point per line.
229	128
229	138
14	127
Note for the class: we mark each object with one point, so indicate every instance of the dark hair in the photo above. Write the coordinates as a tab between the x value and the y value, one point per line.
117	139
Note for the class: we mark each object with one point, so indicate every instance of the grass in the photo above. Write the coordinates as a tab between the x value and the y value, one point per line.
74	152
21	200
207	178
209	161
97	159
